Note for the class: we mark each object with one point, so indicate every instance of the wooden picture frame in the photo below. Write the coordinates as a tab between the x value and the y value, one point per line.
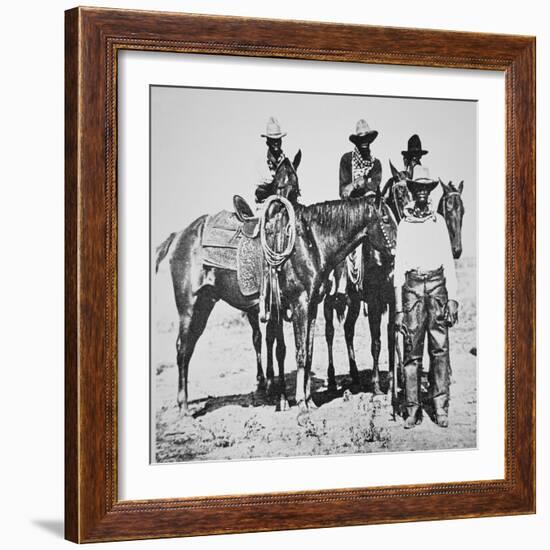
93	511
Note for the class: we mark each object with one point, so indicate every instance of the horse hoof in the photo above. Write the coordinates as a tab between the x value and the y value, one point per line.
282	405
184	411
377	390
332	387
410	423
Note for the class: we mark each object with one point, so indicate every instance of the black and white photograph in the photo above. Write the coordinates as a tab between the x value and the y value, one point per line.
313	274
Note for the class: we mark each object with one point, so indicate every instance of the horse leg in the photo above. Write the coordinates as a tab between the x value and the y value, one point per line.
349	332
300	325
270	336
252	315
329	336
192	322
282	404
375	320
309	358
312	316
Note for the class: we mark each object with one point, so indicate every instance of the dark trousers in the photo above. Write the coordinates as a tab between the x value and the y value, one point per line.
424	301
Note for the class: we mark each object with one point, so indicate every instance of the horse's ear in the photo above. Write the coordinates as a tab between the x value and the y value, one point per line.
394	171
297	159
445	187
461	187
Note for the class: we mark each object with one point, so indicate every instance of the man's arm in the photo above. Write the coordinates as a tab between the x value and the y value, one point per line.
263	190
346	185
375	175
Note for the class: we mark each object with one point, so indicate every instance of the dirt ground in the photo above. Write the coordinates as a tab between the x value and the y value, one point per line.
231	420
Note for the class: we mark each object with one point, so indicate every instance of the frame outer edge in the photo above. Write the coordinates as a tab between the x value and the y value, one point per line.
89	516
525	146
72	447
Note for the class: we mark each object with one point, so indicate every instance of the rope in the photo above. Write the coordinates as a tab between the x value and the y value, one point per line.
274	258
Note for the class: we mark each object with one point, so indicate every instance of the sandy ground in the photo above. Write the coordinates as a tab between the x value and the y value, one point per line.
230	420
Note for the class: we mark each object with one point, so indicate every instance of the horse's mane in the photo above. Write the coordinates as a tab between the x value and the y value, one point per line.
337	216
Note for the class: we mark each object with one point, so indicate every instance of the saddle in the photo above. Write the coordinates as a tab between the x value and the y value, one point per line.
230	240
251	223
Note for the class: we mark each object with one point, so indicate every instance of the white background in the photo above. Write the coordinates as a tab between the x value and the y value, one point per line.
138	480
31	218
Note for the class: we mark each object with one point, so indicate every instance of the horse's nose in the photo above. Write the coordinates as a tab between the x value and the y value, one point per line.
457	252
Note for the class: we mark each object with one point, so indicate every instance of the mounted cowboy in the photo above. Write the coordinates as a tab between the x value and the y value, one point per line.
360	171
413	155
275	156
426	298
395	190
360	176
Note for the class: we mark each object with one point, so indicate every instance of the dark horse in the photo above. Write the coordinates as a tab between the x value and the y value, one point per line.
451	208
375	287
325	234
285	184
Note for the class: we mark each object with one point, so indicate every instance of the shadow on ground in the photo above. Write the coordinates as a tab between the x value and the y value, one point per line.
321	394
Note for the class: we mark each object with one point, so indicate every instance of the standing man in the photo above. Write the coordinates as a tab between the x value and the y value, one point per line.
274	140
360	171
426	298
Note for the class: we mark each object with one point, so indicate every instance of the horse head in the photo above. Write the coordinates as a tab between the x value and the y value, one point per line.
285	180
384	235
397	196
451	207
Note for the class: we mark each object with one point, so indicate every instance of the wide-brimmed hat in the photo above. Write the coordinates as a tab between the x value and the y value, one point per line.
414	148
363	133
422	180
273	129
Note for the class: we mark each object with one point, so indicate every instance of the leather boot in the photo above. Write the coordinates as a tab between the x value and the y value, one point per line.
413	417
441	406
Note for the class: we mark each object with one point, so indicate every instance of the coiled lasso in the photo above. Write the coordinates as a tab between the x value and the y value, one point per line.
274	258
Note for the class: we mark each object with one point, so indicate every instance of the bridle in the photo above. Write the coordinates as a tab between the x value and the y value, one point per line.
443	202
398	208
389	243
288	182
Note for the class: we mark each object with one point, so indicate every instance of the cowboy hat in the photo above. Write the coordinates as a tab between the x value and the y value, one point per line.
414	147
273	129
422	180
363	133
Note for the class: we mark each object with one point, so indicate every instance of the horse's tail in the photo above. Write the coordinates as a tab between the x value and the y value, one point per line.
162	250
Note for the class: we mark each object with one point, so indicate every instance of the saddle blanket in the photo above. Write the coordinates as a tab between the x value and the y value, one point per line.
222	230
226	246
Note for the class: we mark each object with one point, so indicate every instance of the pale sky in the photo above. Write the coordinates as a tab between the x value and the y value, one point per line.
206	146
